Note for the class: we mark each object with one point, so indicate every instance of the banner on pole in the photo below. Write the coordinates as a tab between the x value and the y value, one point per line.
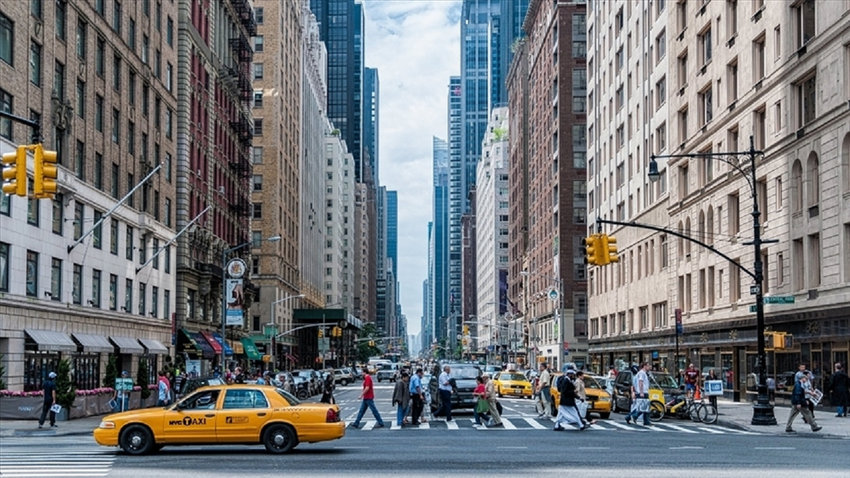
235	300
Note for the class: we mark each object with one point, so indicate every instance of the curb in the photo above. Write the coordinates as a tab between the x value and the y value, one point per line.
733	425
48	433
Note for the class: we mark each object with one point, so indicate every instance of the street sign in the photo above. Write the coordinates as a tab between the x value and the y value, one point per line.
753	308
755	289
553	294
124	384
786	299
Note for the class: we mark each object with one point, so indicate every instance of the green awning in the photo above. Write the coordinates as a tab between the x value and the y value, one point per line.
251	350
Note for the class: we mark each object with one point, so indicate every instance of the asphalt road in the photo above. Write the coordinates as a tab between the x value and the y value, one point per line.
438	451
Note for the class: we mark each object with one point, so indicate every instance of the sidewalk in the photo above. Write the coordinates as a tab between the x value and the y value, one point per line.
29	428
739	415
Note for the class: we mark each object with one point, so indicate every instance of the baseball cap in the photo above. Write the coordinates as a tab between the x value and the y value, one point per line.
571	372
52	375
124	373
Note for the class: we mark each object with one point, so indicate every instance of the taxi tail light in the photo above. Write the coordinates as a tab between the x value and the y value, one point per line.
332	416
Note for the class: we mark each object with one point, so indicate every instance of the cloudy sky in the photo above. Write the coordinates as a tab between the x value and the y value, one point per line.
414	44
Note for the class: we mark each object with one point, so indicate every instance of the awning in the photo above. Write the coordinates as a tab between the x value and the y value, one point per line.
227	350
186	344
207	351
126	345
154	346
212	341
251	350
51	341
93	343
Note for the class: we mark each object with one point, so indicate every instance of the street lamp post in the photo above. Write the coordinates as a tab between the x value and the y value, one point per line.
273	324
224	254
762	409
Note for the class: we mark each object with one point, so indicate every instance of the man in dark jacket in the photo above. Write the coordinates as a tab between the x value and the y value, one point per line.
49	389
839	385
799	405
401	398
567	410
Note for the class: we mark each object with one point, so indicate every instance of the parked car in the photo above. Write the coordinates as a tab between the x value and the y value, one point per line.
193	384
341	377
316	384
350	374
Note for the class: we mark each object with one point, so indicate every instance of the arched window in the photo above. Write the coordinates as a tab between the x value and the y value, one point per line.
812	180
845	163
709	225
701	227
797	186
688	233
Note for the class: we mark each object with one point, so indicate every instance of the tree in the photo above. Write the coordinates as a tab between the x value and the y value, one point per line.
111	372
2	372
66	390
142	378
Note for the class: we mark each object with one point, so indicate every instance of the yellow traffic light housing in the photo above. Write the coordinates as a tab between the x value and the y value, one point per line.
609	248
15	172
46	173
321	333
591	250
465	330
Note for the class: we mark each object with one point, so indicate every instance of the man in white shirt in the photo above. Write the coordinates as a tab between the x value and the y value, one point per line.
543	391
445	386
641	394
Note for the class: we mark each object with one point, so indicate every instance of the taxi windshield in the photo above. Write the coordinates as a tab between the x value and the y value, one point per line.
514	377
465	372
663	380
590	382
288	397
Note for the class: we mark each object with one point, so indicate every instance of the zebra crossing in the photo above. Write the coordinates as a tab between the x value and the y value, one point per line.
17	460
520	423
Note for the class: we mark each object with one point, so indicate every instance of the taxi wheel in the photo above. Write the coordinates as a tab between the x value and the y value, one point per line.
279	439
137	440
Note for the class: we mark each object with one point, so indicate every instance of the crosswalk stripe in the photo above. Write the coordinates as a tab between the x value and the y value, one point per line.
395	425
424	426
711	430
598	426
370	424
452	425
677	427
535	424
508	424
620	425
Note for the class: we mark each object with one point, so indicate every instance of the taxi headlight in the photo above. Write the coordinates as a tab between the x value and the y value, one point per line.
105	424
605	399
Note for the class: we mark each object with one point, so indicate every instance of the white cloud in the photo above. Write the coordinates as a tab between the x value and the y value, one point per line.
415	45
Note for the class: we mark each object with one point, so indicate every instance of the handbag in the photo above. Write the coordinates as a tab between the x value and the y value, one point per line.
483	406
56	408
642	405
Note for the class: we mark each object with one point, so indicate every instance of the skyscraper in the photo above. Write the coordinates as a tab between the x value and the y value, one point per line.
392	229
438	247
371	105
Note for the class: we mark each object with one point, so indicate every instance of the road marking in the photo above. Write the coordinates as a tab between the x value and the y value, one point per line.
513	447
710	430
508	425
351	447
424	426
685	448
598	426
452	425
774	448
535	424
395	425
370	424
677	427
594	448
620	425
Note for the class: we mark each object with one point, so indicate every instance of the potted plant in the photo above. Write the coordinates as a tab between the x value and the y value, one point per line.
66	390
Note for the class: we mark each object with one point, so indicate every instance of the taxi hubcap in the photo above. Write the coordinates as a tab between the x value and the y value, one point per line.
279	439
136	441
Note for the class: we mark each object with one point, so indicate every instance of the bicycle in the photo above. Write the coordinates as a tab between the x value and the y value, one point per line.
696	410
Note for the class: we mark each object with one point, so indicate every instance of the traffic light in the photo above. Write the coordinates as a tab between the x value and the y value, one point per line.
15	172
321	333
609	249
465	330
371	343
592	250
45	173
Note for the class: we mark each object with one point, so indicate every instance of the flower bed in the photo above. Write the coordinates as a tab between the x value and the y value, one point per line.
20	405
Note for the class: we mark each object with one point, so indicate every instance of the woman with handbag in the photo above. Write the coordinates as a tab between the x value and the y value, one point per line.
482	407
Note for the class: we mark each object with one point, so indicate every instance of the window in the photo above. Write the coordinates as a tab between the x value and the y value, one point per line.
579	90
128	296
116	17
169	32
733	210
36	8
168	122
82	28
154	251
258	182
145	48
258	15
58	215
258	71
99	7
4	267
77	285
81	99
683	68
166	304
60	17
116	73
143	251
660	92
116	125
79	217
98	113
98	171
661	138
683	125
258	98
758	59
258	155
705	46
97	235
56	279
258	43
706	109
131	35
95	288
142	298
113	292
128	244
759	128
6	107
660	46
33	212
168	212
169	74
731	18
804	22
812	182
777	117
35	63
257	211
167	255
805	92
113	237
7	39
154	301
32	274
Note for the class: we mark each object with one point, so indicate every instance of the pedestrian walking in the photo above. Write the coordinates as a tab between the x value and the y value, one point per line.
567	410
544	395
445	389
417	394
482	406
839	385
163	390
640	396
799	397
368	397
401	398
581	399
49	389
490	395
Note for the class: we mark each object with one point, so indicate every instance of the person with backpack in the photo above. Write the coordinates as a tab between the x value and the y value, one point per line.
567	410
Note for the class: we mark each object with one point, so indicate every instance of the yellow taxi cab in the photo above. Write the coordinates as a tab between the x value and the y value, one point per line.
598	400
224	414
512	384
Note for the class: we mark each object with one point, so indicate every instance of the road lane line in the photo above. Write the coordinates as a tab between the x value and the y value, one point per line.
535	424
512	447
621	426
685	448
677	427
594	448
711	430
774	448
